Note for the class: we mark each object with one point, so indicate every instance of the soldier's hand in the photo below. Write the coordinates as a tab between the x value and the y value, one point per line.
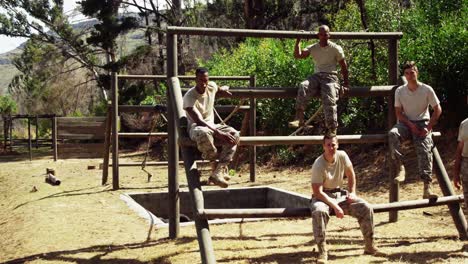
344	90
225	137
338	212
456	182
424	132
225	89
414	129
351	197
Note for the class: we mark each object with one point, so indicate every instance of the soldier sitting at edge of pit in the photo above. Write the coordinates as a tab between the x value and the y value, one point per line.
328	197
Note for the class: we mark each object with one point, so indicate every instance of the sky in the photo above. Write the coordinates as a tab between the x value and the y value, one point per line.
9	43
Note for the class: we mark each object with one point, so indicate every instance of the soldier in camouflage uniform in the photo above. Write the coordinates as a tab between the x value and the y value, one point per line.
324	81
328	198
198	102
412	102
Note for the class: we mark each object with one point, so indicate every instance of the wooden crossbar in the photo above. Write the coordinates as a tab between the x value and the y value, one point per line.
305	212
303	140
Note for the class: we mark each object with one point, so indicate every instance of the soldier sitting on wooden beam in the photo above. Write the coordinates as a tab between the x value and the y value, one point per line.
329	197
412	102
198	102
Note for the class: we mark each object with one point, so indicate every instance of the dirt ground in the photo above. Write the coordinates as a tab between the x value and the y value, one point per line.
82	221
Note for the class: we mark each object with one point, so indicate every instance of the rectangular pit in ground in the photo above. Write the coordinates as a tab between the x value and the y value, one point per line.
155	206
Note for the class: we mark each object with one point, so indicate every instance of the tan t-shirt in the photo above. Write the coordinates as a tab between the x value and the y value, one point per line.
463	136
203	103
416	104
330	174
326	58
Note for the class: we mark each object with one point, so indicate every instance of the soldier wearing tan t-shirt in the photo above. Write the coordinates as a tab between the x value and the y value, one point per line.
460	170
198	102
328	193
324	81
412	102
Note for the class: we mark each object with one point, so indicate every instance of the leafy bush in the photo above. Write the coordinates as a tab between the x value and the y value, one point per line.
7	105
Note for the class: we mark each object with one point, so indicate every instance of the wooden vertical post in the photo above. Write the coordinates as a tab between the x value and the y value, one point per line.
37	132
54	137
115	132
105	168
253	131
29	139
11	133
5	132
173	147
193	178
447	190
393	79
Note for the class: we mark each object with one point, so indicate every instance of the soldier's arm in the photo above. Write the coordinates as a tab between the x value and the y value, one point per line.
223	91
435	117
344	72
349	172
298	52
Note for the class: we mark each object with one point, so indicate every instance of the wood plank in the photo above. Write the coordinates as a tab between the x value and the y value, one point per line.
77	150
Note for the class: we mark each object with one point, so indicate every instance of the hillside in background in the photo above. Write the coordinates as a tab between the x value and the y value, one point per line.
7	70
127	44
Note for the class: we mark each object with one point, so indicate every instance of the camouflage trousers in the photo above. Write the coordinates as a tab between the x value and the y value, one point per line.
464	180
327	85
203	136
359	209
423	147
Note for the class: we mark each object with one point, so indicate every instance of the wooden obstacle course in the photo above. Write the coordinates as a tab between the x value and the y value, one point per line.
179	121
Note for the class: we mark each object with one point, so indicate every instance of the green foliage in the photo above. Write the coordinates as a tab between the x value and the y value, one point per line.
7	105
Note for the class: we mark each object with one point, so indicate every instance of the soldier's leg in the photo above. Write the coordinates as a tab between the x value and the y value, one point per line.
423	147
364	213
228	151
306	90
396	135
320	216
203	136
329	95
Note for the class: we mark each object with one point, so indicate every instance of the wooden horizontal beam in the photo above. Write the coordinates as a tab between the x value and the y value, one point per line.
303	140
142	134
182	77
291	92
305	212
152	163
163	108
225	32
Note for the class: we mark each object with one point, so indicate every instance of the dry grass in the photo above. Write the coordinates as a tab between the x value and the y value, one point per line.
81	221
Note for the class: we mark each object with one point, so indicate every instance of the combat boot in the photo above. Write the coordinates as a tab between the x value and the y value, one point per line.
371	249
400	173
428	193
322	257
225	172
217	177
331	132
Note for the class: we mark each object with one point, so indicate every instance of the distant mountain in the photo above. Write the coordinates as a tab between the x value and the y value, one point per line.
8	71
